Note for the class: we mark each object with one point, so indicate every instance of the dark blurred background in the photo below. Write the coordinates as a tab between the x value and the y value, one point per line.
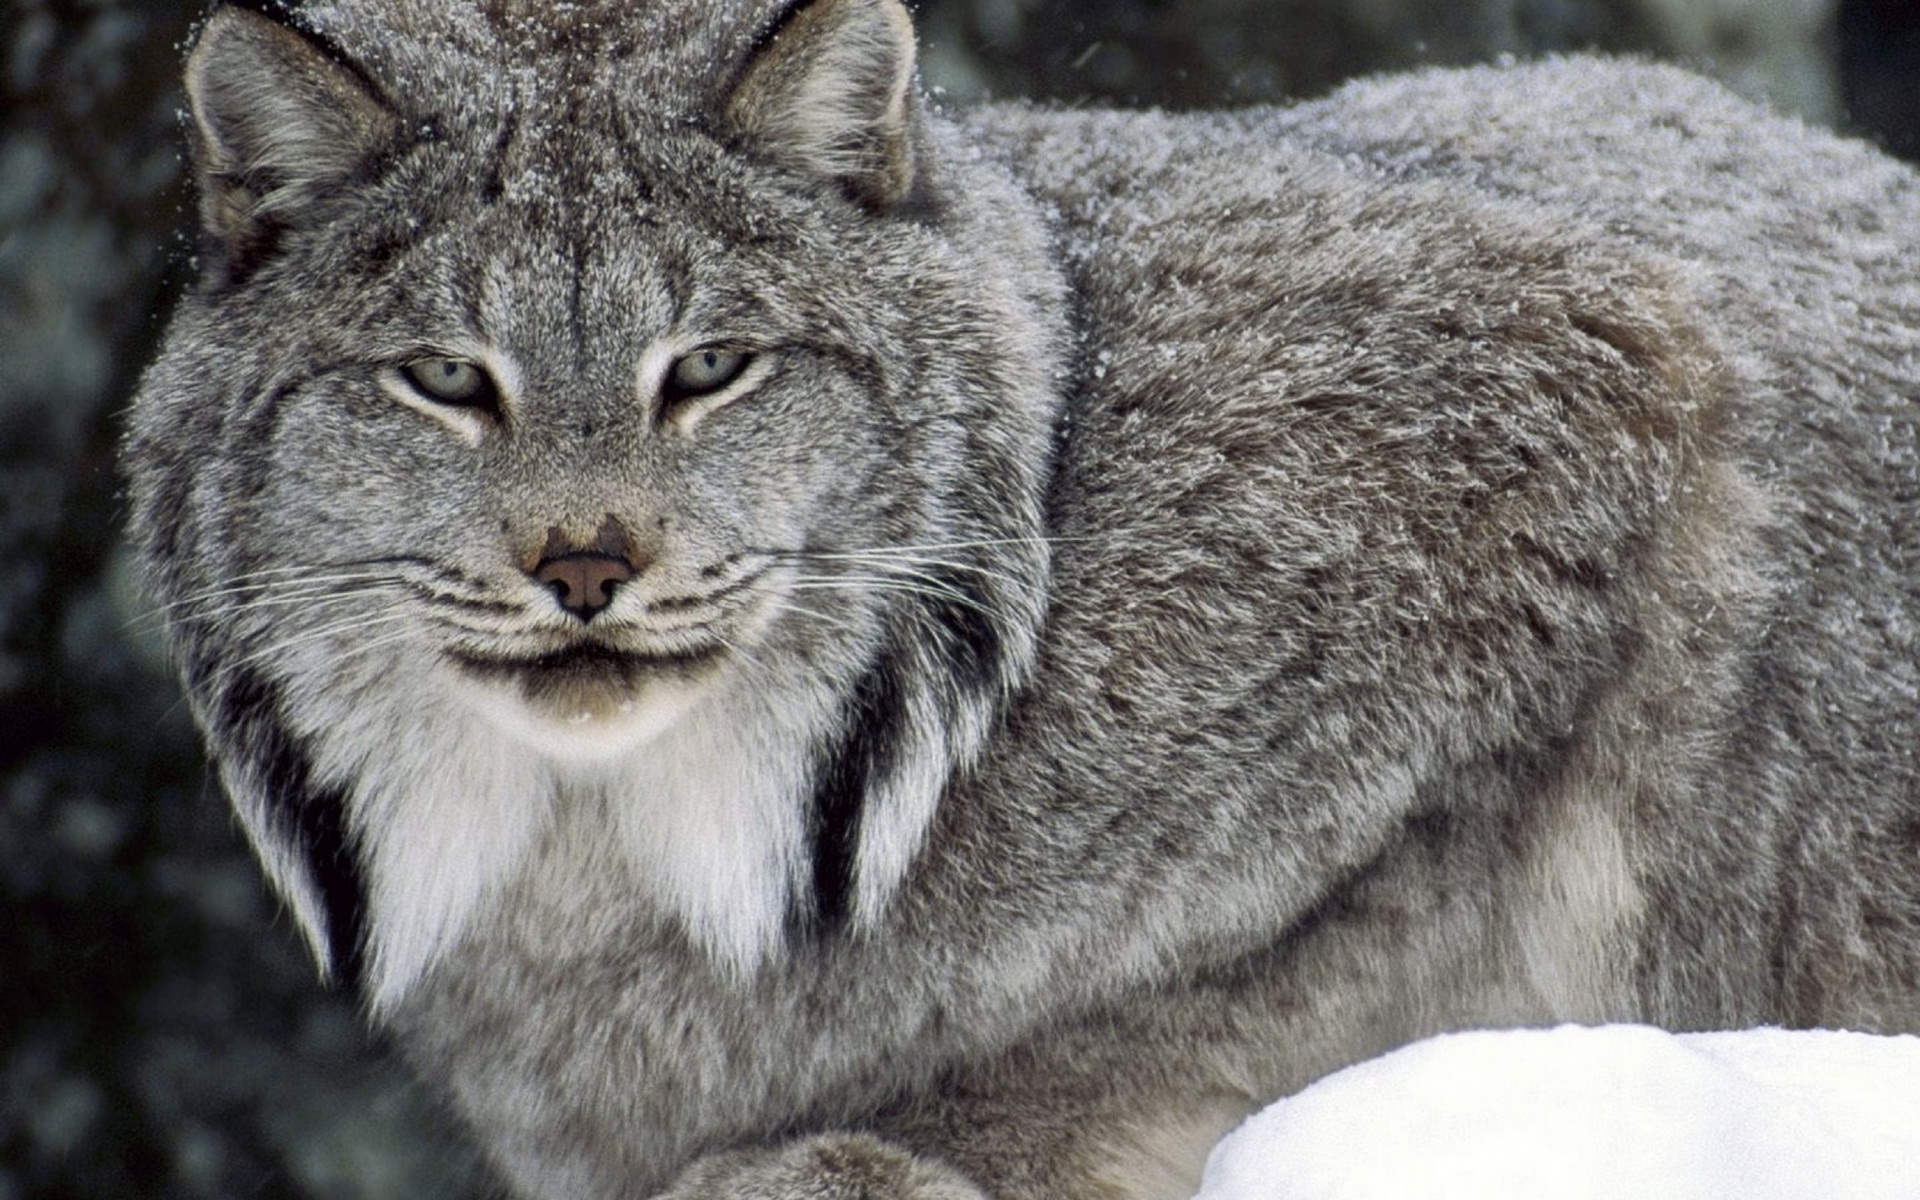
161	1033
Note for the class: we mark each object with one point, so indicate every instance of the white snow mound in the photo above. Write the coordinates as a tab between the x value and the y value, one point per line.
1589	1113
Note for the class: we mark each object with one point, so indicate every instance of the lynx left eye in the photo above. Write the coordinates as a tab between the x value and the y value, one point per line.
452	381
706	370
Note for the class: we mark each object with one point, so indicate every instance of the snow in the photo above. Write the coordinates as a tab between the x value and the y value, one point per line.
1584	1113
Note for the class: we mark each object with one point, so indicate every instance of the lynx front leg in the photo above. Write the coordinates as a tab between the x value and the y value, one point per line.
834	1166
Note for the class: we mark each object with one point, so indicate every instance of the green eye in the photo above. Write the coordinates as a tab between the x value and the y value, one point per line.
705	370
452	381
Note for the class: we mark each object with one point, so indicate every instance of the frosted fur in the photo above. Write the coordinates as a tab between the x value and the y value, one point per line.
830	95
1144	611
275	132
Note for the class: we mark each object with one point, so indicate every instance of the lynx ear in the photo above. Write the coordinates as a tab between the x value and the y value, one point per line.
276	123
829	94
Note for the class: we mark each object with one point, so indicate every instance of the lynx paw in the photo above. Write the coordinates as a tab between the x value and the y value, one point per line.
828	1167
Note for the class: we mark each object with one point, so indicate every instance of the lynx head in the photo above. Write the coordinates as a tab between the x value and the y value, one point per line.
622	404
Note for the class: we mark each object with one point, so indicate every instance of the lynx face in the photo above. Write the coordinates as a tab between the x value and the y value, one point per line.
536	450
600	466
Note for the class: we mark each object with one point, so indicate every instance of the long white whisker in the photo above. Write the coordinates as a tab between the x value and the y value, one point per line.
304	588
978	544
920	568
307	637
284	597
892	557
836	620
357	651
889	584
315	605
933	584
277	648
398	570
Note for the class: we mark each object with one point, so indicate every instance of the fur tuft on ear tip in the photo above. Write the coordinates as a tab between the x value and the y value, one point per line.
276	122
830	94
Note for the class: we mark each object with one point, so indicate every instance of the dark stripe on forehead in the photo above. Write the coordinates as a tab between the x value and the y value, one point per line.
257	423
311	820
494	183
246	448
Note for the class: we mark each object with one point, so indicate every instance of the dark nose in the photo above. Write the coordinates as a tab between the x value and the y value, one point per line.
584	582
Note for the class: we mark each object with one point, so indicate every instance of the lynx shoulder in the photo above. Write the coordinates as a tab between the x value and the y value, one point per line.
797	643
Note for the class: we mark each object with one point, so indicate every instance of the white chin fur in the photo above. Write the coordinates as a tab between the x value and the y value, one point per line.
587	731
713	819
446	811
704	785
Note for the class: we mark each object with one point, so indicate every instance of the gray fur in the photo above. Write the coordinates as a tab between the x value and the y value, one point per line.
1173	605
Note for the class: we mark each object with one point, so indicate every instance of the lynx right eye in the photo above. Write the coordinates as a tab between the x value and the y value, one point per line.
452	381
705	370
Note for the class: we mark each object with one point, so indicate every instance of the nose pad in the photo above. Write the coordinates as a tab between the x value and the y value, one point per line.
583	582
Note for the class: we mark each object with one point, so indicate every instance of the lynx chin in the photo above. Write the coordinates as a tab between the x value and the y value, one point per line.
793	643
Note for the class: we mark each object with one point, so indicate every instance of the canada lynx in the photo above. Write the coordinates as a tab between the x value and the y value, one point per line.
795	644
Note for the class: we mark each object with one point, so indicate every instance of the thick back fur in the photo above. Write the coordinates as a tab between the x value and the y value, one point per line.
1105	618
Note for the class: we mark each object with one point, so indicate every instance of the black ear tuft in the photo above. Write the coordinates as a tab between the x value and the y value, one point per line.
277	123
830	95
